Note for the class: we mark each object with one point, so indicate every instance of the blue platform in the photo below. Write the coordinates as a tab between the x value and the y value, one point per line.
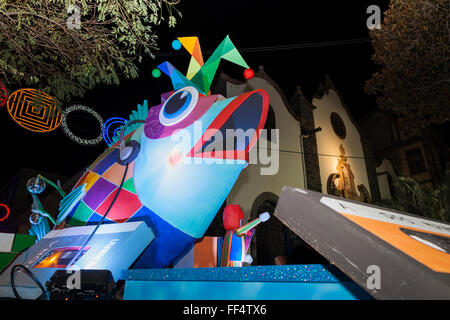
289	282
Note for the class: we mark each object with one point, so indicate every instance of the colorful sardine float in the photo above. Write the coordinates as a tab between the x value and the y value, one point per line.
176	185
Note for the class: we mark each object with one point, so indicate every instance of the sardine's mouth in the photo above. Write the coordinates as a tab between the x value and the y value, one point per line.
236	129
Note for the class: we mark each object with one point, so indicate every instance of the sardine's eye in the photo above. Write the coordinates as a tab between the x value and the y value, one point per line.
178	106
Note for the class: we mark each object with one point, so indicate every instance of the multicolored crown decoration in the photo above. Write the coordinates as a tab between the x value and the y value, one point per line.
201	74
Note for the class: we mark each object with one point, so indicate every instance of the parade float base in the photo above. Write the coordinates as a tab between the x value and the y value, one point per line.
113	247
288	282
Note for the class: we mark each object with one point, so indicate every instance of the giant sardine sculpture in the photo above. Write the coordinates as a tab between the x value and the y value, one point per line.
168	170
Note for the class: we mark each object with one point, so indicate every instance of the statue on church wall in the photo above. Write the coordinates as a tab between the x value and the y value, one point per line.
342	182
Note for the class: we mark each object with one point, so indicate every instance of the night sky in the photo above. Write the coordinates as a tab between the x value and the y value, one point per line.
250	25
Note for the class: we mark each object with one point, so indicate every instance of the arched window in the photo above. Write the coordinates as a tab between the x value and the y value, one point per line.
272	238
364	194
338	125
268	240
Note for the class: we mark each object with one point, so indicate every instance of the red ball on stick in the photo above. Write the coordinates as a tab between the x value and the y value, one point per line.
249	73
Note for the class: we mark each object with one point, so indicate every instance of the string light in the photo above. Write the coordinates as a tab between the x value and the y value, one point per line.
287	47
70	135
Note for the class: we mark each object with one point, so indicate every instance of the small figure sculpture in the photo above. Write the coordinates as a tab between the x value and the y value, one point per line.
237	239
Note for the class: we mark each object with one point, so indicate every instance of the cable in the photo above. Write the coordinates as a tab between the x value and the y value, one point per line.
304	45
35	279
349	157
122	131
345	156
104	216
31	275
285	47
322	154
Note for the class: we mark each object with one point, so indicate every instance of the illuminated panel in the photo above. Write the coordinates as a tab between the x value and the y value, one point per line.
34	110
114	247
407	254
60	257
425	241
